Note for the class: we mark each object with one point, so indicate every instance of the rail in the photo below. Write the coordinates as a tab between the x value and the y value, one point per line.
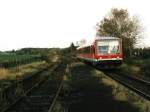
137	85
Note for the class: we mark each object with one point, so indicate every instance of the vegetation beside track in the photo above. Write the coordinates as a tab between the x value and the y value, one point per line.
22	70
40	98
14	56
136	67
19	90
10	76
25	62
122	93
8	60
26	55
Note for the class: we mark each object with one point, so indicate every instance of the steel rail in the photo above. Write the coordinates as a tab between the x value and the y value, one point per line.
146	82
131	86
56	96
128	85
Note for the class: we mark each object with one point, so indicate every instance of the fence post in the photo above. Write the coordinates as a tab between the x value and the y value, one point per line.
3	97
19	86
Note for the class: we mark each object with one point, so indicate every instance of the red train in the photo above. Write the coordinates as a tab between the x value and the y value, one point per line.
104	51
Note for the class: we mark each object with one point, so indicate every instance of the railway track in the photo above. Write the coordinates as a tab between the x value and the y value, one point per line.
10	94
42	96
139	86
135	84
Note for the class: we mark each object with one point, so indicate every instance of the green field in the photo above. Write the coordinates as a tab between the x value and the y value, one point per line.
13	59
13	56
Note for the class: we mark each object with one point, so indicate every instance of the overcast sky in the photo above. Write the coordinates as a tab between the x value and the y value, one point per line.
57	23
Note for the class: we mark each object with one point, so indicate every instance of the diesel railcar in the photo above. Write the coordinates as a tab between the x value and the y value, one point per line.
104	52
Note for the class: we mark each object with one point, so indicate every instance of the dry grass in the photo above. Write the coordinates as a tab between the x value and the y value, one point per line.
121	93
22	70
130	69
4	73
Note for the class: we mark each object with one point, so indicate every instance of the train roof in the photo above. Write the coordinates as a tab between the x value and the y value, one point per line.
105	38
97	38
85	45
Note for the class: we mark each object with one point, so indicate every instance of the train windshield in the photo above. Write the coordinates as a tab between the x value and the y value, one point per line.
108	47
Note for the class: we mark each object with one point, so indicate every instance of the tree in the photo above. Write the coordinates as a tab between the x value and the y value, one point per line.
119	24
72	47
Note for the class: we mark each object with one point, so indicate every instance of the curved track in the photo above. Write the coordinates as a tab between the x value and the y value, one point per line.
137	85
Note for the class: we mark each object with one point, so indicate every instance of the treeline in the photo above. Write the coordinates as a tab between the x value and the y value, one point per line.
141	52
71	50
32	51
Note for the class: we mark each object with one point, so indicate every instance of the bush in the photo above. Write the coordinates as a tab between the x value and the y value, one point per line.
145	68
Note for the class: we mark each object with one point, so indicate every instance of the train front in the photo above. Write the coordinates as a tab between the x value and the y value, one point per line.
108	51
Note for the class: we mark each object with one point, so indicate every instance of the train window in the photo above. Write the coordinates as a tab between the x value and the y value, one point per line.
114	49
86	50
108	47
103	49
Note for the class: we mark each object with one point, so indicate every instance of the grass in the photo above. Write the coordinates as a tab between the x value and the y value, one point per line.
121	93
8	60
139	68
23	70
130	69
13	56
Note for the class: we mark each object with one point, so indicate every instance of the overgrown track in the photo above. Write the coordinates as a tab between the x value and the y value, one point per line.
12	93
137	85
41	95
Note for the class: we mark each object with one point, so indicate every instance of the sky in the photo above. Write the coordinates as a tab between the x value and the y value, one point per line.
57	23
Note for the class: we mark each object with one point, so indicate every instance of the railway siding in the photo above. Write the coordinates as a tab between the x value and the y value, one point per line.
43	96
18	90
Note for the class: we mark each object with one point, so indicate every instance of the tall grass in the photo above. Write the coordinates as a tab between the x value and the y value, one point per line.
12	59
4	73
22	70
138	67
